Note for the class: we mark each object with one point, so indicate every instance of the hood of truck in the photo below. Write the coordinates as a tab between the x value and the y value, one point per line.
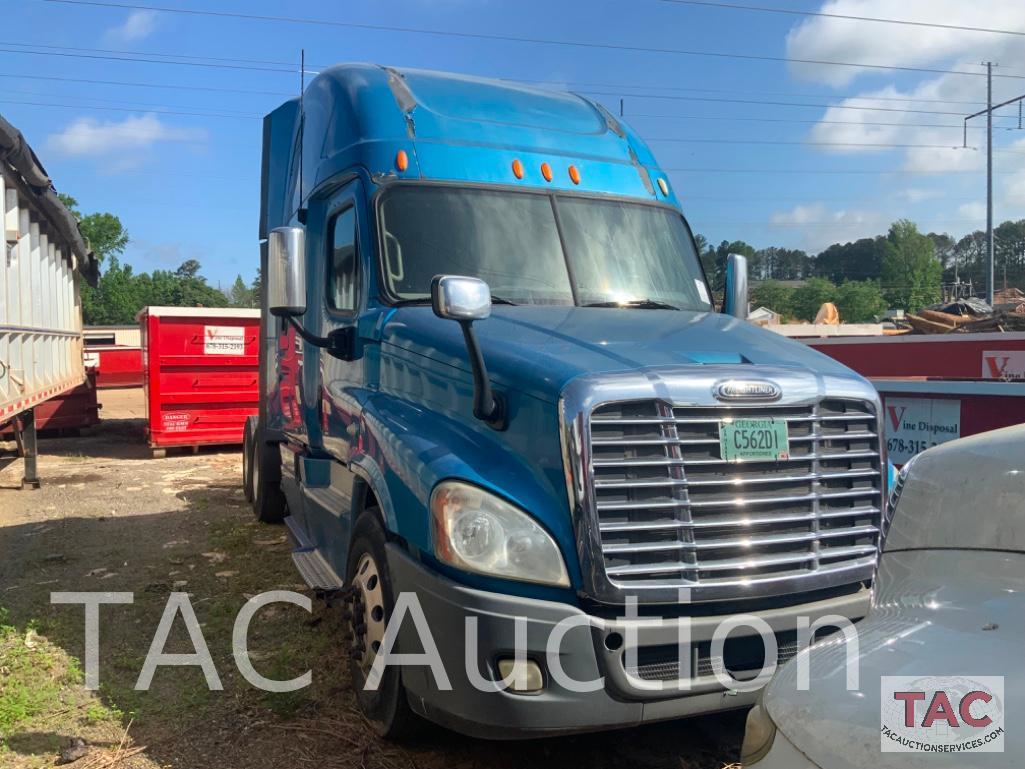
936	613
539	350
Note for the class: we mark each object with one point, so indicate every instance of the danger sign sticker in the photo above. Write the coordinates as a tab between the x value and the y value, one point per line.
224	340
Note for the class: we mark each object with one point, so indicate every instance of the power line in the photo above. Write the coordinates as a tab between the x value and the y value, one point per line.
221	59
731	118
719	100
839	171
136	84
809	122
846	17
578	84
143	60
513	38
156	110
515	80
120	102
809	143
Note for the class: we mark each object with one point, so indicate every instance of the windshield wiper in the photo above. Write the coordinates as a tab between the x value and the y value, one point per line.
639	304
500	300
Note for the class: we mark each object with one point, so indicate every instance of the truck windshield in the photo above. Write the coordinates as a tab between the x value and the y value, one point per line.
611	253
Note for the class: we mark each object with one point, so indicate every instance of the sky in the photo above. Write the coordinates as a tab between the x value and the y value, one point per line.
761	150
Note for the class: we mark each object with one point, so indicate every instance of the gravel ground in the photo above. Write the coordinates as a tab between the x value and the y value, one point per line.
109	517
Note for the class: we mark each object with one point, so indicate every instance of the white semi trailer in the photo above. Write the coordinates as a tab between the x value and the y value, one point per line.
44	258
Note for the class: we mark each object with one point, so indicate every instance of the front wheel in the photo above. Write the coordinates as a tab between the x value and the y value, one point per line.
372	600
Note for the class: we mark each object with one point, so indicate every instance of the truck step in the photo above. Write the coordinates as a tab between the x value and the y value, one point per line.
316	571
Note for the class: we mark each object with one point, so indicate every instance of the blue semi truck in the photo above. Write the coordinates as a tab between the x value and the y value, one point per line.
493	380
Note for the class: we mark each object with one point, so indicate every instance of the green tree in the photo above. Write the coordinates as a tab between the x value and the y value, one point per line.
775	296
707	256
811	296
116	298
104	231
860	260
860	301
718	258
240	294
192	290
781	264
257	288
188	269
911	271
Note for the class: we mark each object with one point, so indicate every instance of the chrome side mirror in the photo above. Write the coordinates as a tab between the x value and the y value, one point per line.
455	297
735	301
465	300
286	271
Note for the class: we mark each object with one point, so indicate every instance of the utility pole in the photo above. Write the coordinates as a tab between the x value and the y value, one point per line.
988	112
989	181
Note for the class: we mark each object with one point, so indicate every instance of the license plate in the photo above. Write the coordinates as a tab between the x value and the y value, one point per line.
745	440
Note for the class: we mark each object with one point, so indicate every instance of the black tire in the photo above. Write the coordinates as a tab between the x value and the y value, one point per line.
269	503
387	708
248	434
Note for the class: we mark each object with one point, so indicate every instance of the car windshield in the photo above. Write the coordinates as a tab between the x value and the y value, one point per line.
610	253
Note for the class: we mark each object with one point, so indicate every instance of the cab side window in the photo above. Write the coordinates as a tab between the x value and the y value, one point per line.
343	262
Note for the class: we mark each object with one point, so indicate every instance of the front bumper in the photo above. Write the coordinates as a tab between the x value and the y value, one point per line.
620	700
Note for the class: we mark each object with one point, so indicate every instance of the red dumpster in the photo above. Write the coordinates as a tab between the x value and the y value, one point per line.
116	366
201	374
72	410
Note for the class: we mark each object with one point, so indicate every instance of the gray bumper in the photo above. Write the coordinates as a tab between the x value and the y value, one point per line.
622	700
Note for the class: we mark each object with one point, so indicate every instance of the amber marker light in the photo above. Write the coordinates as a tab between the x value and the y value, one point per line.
546	172
401	160
574	175
517	167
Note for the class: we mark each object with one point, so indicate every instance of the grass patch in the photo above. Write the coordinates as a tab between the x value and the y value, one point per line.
33	675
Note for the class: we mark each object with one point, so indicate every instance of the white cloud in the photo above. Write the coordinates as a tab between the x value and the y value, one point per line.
918	194
933	101
121	144
817	226
903	45
138	26
89	136
975	210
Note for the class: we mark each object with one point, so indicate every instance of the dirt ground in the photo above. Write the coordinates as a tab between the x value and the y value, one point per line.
109	517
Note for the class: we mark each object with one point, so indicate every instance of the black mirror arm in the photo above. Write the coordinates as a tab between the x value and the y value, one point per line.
331	343
488	405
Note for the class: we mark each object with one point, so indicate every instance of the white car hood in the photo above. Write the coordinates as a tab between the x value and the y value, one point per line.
927	619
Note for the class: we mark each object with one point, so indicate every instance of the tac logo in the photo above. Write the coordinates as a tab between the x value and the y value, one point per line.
942	714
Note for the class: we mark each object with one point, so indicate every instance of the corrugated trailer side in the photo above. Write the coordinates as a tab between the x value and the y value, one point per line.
45	257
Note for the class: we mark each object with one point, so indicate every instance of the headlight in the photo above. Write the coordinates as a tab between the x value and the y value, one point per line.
476	531
758	736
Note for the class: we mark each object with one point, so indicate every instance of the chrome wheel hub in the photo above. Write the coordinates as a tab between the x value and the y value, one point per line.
367	613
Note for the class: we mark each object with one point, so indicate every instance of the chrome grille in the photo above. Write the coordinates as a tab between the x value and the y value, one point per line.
672	513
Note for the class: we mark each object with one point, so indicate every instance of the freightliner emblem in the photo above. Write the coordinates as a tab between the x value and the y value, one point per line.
747	390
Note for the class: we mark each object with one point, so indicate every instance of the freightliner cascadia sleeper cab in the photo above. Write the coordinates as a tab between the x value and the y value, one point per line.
496	396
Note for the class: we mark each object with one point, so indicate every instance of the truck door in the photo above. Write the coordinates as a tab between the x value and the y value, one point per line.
336	293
